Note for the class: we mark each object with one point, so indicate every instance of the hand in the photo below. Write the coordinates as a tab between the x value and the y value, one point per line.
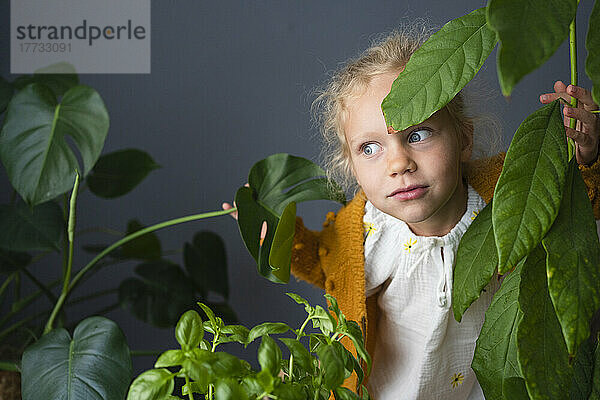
587	130
234	215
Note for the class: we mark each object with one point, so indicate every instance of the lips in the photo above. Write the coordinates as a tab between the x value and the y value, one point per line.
409	193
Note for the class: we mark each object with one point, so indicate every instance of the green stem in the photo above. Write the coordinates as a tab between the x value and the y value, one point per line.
573	53
71	231
25	302
6	283
8	366
298	335
20	323
189	388
65	257
121	242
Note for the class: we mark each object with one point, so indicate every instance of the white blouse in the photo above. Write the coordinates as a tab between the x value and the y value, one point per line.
421	352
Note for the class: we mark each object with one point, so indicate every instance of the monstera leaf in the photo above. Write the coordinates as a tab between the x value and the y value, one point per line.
526	46
94	364
117	173
159	294
438	70
33	147
276	184
57	83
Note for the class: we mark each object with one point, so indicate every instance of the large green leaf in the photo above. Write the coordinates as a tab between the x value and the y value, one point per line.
229	389
95	364
438	70
528	193
159	296
33	147
117	173
493	361
206	262
145	247
476	262
189	331
592	44
529	33
6	92
28	229
573	264
542	350
275	184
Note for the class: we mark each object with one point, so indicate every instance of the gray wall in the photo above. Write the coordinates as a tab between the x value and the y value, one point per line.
230	84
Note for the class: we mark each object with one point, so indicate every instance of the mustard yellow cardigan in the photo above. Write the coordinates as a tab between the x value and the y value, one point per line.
333	259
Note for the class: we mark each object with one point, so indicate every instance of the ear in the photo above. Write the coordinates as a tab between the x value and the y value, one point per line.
466	141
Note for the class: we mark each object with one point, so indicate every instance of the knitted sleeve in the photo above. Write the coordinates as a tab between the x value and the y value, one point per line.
483	174
306	263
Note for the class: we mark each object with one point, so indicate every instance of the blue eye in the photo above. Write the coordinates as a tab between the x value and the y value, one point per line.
370	148
418	136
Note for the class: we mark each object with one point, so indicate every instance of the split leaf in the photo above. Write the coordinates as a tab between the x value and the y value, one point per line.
276	184
529	34
476	262
38	159
117	173
160	294
529	191
573	264
542	350
438	70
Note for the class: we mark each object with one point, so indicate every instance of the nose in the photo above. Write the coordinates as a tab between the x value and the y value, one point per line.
400	161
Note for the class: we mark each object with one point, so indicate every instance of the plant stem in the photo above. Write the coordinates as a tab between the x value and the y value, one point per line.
71	231
6	283
300	331
121	242
189	389
573	54
25	302
8	366
65	256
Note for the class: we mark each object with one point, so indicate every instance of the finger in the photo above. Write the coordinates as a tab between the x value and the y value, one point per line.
560	91
582	115
227	206
583	95
582	139
263	232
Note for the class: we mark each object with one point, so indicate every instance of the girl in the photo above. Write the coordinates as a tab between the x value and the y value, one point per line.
388	255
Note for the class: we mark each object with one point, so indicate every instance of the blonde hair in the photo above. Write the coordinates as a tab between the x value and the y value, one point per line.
329	109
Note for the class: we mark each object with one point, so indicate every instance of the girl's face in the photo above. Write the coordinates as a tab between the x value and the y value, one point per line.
414	175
